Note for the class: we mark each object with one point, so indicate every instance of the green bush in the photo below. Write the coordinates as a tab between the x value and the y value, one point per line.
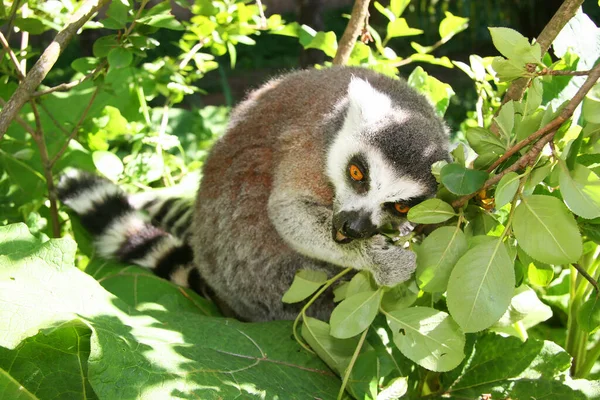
504	301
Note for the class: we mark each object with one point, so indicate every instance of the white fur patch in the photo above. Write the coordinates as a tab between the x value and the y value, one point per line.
117	232
180	276
84	201
367	105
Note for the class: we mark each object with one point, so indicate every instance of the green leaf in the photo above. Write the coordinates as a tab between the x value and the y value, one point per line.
540	274
60	352
335	352
493	368
506	118
32	25
117	15
389	14
451	25
514	46
167	21
580	189
305	283
147	352
428	337
399	28
395	389
591	105
353	315
431	211
508	70
439	93
108	164
483	141
325	41
85	65
120	57
506	189
525	308
104	45
534	97
460	180
436	257
546	230
398	6
588	316
481	286
11	389
401	296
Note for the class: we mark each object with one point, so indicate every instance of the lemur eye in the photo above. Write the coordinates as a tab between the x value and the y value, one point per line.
356	173
401	208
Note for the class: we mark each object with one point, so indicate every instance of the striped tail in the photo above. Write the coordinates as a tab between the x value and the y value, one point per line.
125	233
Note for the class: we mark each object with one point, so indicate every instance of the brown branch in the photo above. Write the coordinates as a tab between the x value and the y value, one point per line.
137	16
20	120
563	15
75	129
38	137
12	56
70	85
546	134
360	12
587	276
554	72
46	61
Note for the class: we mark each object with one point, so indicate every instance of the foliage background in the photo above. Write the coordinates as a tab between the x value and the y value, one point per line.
157	95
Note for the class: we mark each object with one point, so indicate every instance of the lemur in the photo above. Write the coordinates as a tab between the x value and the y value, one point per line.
313	167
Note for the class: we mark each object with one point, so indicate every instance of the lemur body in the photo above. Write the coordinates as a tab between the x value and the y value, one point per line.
312	167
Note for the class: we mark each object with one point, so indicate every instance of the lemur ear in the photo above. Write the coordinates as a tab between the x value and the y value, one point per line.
366	103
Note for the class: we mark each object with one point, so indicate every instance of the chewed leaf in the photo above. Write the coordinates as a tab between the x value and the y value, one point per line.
428	337
305	283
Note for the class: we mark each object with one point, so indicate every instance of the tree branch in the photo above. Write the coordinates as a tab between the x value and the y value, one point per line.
12	56
546	133
38	137
70	85
41	68
360	12
566	11
554	72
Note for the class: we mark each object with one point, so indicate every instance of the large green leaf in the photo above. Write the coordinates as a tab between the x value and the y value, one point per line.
496	364
335	352
546	230
460	180
431	211
154	351
436	257
353	315
581	190
514	46
481	286
428	337
11	389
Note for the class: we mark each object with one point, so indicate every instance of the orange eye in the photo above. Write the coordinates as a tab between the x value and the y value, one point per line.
356	173
401	208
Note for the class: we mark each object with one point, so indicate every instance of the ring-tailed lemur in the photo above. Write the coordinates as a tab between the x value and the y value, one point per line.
313	166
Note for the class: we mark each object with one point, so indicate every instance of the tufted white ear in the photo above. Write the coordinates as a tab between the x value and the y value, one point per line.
367	104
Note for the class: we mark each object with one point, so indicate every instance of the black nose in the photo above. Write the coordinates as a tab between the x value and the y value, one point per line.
354	224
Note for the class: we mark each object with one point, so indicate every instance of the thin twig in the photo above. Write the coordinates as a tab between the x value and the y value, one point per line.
137	16
12	56
54	120
360	11
70	85
348	371
587	276
46	61
11	23
547	134
554	72
75	129
261	13
38	137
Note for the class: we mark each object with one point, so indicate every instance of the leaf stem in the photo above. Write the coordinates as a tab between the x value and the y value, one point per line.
351	364
302	312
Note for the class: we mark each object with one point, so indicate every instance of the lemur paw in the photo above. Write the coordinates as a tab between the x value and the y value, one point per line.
392	264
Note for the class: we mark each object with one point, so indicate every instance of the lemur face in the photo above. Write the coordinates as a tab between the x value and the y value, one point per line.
372	191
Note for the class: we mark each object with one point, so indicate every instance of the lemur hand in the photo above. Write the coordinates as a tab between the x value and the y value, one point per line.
391	264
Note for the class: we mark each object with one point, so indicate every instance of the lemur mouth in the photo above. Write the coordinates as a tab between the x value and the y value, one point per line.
340	238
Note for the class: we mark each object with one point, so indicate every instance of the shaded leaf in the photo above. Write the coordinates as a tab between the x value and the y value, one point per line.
305	283
506	189
460	180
